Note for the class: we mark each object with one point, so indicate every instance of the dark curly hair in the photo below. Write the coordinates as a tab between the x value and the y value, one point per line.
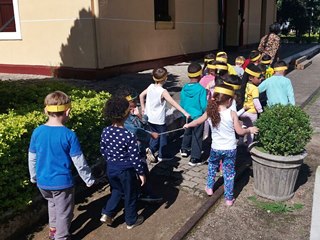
116	109
213	105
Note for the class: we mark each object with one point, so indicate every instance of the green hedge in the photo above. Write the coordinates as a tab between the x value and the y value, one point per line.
16	127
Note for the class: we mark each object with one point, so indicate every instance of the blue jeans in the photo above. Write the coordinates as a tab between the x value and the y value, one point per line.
159	143
123	182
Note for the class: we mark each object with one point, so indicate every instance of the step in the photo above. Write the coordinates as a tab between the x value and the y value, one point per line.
300	60
303	65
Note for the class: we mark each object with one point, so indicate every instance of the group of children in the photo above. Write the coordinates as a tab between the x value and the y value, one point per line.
218	96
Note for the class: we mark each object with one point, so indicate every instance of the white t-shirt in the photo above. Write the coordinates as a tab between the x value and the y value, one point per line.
155	105
223	136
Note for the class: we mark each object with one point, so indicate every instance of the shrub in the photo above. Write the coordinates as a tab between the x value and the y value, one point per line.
284	130
86	119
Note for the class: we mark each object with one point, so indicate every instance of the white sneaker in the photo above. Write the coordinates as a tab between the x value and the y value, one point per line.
139	221
106	219
151	158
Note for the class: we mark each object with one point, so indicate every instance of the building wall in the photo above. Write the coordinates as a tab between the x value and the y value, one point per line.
130	36
52	36
97	34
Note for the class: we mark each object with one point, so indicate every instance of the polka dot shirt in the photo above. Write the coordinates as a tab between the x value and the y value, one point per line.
120	149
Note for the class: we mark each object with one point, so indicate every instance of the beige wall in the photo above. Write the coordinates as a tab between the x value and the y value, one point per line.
129	34
52	36
66	34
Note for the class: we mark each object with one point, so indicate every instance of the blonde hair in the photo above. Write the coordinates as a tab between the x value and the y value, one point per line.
55	99
240	60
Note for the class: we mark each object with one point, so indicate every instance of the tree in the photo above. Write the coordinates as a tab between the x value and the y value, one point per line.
295	13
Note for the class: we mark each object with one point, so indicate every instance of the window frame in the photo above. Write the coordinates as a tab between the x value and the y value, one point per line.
17	34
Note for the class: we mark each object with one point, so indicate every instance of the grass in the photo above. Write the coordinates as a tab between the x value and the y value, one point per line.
275	207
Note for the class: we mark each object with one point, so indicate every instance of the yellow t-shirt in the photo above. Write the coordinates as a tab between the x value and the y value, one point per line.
252	92
231	70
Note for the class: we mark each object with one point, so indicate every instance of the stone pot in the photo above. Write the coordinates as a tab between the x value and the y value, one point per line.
275	176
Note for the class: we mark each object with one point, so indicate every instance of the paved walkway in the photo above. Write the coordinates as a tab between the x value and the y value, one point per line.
168	177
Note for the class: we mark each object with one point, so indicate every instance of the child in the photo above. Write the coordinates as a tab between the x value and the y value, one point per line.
193	98
209	58
137	125
207	81
278	87
235	82
221	72
266	62
53	149
224	123
254	57
251	98
223	58
155	109
238	65
120	150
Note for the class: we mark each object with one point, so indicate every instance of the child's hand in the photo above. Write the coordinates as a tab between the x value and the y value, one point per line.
186	125
253	130
142	179
187	115
154	135
91	183
246	108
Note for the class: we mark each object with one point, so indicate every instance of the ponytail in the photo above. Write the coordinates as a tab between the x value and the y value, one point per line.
213	112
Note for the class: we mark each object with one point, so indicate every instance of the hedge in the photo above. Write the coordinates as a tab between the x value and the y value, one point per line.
16	126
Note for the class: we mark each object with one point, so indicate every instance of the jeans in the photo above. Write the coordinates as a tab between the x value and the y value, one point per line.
159	143
193	138
123	183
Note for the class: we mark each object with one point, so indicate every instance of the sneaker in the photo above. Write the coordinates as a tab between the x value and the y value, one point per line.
150	156
150	198
106	219
160	159
209	191
229	202
139	221
184	153
52	233
195	162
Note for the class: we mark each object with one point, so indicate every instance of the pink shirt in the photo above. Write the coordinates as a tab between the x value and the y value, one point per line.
207	81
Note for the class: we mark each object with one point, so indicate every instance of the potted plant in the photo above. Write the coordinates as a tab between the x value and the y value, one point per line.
284	131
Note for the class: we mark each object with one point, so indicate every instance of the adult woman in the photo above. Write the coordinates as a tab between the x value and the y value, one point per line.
269	44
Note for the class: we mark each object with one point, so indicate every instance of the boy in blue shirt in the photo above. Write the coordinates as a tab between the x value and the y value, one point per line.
278	88
52	151
193	98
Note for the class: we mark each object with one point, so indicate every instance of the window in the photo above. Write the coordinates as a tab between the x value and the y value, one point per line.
163	14
9	20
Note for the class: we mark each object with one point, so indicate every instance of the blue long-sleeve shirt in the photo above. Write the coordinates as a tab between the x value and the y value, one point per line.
279	90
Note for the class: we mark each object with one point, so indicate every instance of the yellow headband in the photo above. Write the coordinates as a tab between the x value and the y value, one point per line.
196	74
224	91
221	67
221	59
252	73
266	61
221	53
235	87
58	108
255	58
130	98
211	66
208	59
278	69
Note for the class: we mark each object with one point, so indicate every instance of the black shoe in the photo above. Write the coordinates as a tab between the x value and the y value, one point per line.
184	153
195	162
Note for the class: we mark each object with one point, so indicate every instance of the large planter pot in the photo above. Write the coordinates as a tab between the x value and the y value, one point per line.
275	176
